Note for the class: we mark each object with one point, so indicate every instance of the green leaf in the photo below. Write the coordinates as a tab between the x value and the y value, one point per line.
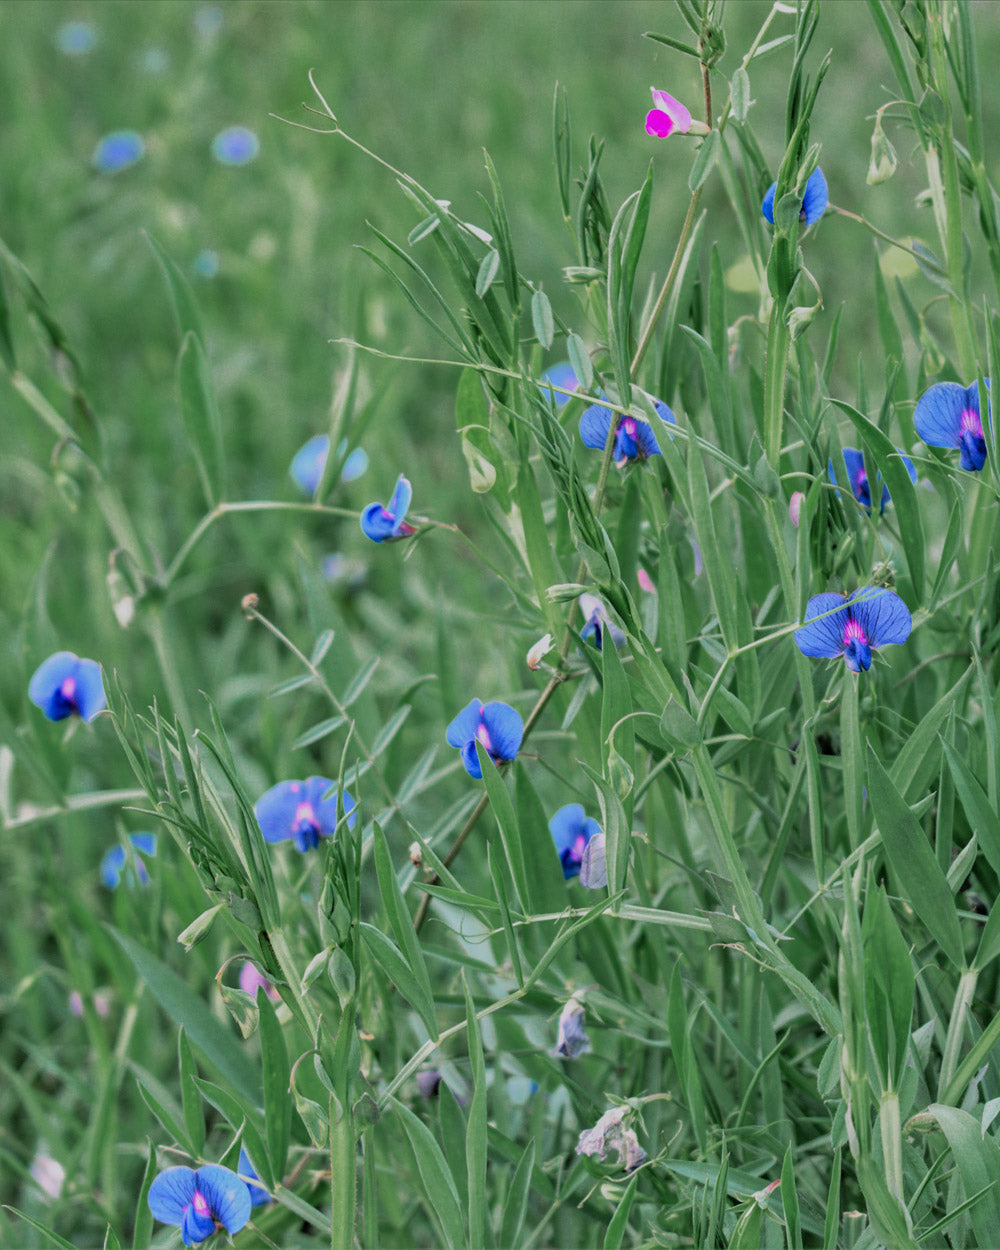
143	1235
395	967
510	834
615	1235
976	1160
400	920
704	162
541	319
540	860
487	272
437	1181
194	1120
185	306
889	989
515	1205
475	1134
190	1010
200	416
739	94
913	862
277	1096
982	817
579	358
46	1232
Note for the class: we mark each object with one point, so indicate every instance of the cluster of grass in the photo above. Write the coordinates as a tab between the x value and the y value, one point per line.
788	981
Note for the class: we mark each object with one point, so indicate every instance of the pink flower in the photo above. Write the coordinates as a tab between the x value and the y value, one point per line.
252	979
795	507
667	116
646	582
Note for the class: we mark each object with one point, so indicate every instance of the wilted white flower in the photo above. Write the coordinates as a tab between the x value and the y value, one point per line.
537	653
609	1134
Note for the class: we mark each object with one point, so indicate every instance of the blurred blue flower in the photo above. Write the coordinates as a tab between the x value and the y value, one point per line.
199	1200
310	461
208	20
154	61
498	727
298	810
814	201
76	38
948	415
236	145
634	438
559	375
596	623
117	151
64	685
258	1194
116	859
386	524
206	263
857	475
571	830
870	617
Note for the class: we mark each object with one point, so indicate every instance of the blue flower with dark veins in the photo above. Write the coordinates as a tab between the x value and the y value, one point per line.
199	1200
571	831
298	810
117	859
634	438
384	523
947	415
857	475
310	461
64	685
853	626
258	1194
596	623
814	201
498	727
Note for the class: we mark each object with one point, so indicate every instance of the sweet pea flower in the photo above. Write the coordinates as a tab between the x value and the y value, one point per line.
666	116
571	830
571	1038
116	858
48	1174
854	462
559	375
498	727
645	582
611	1133
298	810
199	1200
539	651
252	980
634	438
853	626
385	524
795	505
596	623
814	201
258	1194
310	461
64	685
948	415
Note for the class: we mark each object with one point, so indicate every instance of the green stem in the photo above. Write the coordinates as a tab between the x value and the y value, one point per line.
343	1176
956	1029
775	370
890	1125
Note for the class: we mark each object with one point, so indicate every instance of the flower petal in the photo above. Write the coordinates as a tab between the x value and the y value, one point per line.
505	729
247	1173
326	808
645	439
470	759
145	842
767	207
309	462
228	1197
566	825
938	414
665	414
170	1193
559	375
881	613
816	198
111	866
465	724
47	679
275	810
823	637
659	124
90	698
400	502
377	523
594	426
678	114
356	463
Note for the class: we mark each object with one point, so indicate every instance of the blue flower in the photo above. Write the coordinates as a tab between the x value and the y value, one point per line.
117	857
206	263
814	201
310	461
198	1200
854	462
498	727
634	438
258	1194
236	145
64	685
870	617
596	623
385	524
76	38
571	831
298	810
572	1039
117	151
559	375
948	415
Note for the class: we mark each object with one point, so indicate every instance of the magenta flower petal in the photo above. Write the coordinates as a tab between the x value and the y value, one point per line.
665	106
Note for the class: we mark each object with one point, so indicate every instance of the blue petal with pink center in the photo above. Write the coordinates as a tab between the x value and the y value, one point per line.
853	626
948	415
304	811
857	475
198	1200
64	685
496	726
571	830
634	438
385	523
